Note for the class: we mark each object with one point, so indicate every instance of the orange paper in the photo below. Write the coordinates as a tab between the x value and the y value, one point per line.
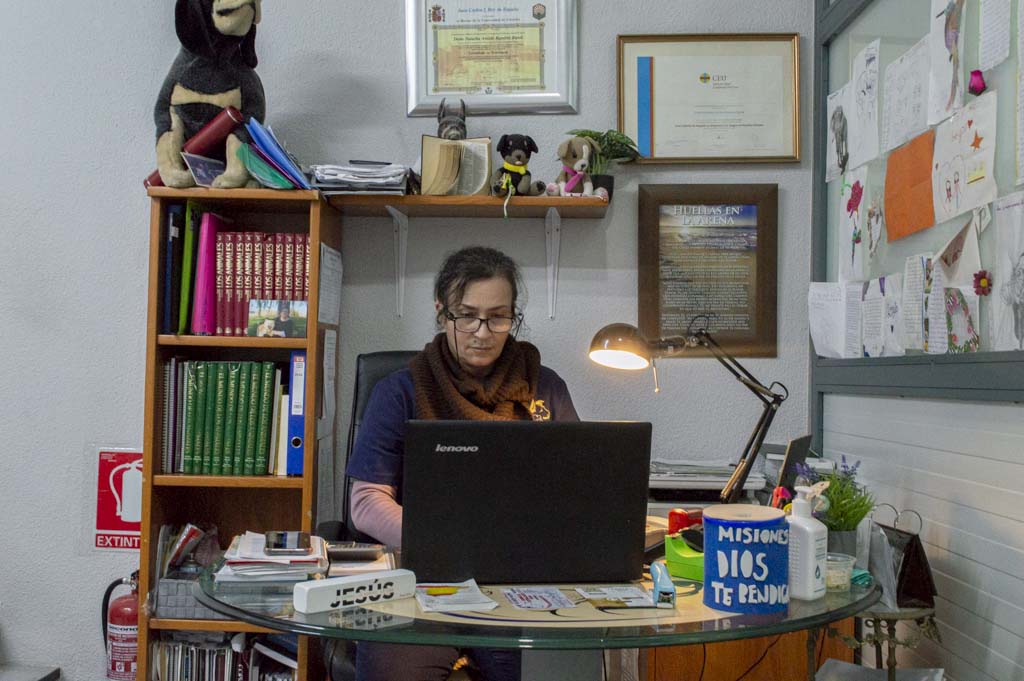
908	188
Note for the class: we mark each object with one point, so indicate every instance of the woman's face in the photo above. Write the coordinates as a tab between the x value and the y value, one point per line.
478	351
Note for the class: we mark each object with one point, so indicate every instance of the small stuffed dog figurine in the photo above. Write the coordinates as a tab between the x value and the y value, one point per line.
451	123
575	154
213	69
516	150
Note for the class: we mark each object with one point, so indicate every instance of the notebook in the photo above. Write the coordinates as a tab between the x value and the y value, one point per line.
522	502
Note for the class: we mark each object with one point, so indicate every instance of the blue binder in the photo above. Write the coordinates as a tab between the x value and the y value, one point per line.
268	144
296	412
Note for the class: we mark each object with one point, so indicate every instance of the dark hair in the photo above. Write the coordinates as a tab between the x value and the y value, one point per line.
463	267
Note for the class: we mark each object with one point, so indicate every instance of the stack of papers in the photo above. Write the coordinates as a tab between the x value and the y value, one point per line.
362	178
340	568
458	597
698	475
245	560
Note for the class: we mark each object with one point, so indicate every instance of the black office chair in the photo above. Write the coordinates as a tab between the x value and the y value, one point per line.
339	656
370	368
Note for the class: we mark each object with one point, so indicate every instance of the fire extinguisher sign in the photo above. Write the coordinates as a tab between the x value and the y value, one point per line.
118	500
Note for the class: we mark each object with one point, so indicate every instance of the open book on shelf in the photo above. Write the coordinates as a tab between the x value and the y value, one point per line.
455	166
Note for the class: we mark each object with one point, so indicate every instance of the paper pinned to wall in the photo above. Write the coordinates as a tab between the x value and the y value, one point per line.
853	207
994	33
946	49
1020	97
912	307
853	301
960	257
839	109
935	339
1006	311
909	204
905	106
863	138
827	318
883	318
963	165
961	312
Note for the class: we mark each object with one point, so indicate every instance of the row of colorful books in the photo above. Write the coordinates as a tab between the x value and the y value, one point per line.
213	273
233	418
207	656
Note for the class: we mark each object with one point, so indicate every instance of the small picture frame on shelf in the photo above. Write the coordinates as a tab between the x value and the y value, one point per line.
276	319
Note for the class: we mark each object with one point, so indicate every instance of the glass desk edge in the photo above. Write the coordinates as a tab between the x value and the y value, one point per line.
550	638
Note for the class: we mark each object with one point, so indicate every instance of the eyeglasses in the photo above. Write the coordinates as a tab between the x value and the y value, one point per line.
472	324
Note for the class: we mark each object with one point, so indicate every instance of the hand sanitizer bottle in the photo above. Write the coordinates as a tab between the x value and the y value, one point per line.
808	546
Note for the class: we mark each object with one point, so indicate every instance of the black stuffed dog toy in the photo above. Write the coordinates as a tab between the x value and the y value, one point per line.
516	150
214	69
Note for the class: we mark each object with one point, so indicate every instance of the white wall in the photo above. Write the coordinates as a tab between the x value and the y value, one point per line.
78	86
959	465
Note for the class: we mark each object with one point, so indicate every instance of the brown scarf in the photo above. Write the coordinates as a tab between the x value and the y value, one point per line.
445	391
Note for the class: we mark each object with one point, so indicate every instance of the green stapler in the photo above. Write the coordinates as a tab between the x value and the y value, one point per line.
684	545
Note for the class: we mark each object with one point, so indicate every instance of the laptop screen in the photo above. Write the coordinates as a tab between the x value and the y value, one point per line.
523	502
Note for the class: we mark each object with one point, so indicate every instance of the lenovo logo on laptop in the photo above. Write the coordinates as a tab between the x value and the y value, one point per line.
456	448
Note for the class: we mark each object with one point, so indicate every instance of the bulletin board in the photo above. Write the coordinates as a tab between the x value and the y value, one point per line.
844	28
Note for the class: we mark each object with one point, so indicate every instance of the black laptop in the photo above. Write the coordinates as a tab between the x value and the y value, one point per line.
523	502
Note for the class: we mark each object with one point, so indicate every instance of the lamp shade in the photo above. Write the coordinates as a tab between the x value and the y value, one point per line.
620	346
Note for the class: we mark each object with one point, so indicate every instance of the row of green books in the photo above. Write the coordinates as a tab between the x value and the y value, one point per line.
222	418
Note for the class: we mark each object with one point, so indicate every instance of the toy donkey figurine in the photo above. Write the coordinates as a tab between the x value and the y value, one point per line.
451	124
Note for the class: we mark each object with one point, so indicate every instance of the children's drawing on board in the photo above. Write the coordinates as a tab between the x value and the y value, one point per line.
862	138
947	45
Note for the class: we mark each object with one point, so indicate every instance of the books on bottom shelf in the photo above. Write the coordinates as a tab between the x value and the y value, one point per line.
247	561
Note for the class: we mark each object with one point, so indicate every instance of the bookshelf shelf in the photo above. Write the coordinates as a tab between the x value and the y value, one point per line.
234	504
245	481
206	625
231	342
469	206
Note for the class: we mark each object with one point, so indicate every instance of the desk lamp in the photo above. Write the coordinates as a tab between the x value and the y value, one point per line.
621	346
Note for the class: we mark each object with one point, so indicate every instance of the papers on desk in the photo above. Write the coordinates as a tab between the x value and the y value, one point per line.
617	597
246	560
537	598
340	568
458	597
697	475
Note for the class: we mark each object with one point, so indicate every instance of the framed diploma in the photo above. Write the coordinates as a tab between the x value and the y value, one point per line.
709	251
711	98
508	57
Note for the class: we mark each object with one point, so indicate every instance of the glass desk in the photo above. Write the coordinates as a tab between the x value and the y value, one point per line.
584	627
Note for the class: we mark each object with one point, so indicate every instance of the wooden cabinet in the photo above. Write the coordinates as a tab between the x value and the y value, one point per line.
233	503
784	658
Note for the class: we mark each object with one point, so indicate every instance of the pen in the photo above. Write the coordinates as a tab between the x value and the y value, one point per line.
358	162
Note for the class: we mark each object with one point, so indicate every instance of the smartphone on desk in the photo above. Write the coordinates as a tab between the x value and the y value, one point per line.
353	550
287	543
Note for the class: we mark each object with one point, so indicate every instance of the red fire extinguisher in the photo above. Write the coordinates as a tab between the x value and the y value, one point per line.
121	629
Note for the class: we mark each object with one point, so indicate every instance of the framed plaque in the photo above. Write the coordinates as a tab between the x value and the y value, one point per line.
509	57
711	98
708	251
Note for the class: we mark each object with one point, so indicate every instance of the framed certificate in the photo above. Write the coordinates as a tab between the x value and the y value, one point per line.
708	252
711	98
514	56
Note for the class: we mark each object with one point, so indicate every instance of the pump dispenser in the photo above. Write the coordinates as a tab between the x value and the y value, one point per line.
808	546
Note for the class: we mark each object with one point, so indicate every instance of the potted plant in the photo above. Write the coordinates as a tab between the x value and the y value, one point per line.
615	147
849	502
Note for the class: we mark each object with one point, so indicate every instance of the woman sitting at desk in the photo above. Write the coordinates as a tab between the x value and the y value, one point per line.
471	371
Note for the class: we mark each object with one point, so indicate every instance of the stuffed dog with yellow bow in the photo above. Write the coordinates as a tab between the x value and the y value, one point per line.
514	176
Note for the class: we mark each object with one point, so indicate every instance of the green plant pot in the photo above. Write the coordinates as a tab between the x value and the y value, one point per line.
606	181
843	542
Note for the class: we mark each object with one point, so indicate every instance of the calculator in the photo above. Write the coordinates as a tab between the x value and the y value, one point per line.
353	550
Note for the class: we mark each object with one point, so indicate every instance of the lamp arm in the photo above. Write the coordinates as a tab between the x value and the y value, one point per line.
769	397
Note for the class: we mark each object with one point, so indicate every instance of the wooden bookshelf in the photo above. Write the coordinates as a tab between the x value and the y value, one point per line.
468	206
233	503
169	340
245	481
206	625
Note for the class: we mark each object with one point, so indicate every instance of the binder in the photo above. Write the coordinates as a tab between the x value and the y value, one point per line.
296	412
